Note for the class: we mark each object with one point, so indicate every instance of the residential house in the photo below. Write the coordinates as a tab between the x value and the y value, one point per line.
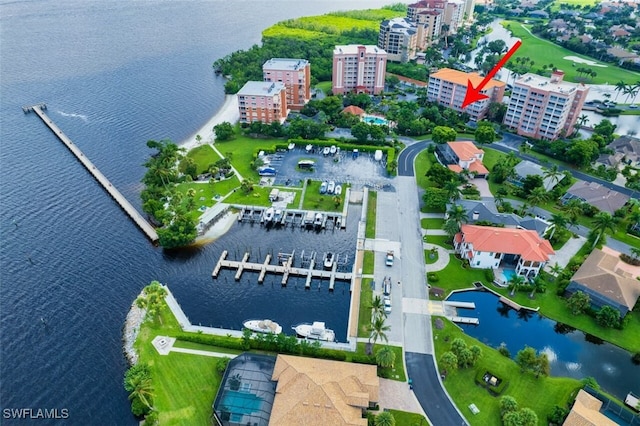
526	168
608	281
626	150
621	55
296	76
355	110
492	247
597	195
586	412
486	213
262	101
313	391
359	69
463	155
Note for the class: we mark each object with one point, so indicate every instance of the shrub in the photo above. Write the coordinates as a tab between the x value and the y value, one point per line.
489	275
433	277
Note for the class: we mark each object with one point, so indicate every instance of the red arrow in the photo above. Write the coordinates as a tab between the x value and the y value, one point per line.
473	93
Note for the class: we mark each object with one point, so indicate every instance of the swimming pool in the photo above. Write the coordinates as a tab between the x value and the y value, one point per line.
372	119
507	274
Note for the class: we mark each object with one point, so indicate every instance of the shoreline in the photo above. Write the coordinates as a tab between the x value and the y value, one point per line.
135	318
228	111
218	229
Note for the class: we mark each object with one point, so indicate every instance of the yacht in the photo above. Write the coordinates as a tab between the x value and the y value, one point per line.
309	148
318	220
332	150
323	187
291	146
268	214
263	326
328	260
326	150
315	331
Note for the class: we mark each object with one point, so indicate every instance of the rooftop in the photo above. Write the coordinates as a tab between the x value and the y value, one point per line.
287	64
586	412
461	78
526	168
354	109
400	25
352	49
261	88
553	84
523	242
601	197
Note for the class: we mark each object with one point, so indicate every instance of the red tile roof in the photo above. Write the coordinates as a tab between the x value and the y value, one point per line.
525	243
465	150
353	109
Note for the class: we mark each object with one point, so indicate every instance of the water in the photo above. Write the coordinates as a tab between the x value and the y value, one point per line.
115	74
571	353
371	119
507	274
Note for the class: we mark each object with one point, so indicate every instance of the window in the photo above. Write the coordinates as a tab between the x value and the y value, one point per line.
478	263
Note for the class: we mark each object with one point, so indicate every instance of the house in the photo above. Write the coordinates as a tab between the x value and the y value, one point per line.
626	150
608	281
313	391
600	197
355	110
526	168
486	213
492	247
463	155
586	412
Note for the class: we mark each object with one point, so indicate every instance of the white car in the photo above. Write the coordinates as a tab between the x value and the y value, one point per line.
387	304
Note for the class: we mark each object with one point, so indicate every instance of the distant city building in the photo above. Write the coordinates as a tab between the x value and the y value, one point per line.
398	37
359	69
448	87
296	76
544	108
262	101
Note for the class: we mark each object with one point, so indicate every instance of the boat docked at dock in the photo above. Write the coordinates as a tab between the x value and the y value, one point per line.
315	331
328	260
331	187
326	150
323	187
338	190
317	222
268	214
263	326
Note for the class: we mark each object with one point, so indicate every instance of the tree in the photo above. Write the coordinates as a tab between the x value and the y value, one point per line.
573	209
559	221
508	404
440	175
385	357
442	134
554	174
223	131
531	182
137	381
449	361
361	132
515	282
451	227
476	353
152	298
378	330
537	196
542	366
458	214
608	317
377	307
582	152
453	190
528	417
435	198
556	269
620	86
603	222
385	418
485	134
526	358
578	302
605	129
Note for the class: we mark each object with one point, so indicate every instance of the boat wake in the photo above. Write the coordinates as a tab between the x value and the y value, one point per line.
80	116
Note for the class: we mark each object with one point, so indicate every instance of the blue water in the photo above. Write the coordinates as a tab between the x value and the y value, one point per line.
507	274
571	353
115	74
374	120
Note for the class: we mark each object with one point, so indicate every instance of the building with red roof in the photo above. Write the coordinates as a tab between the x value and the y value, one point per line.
491	247
462	155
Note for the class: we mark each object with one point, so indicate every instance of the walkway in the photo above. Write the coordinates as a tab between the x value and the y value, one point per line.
565	253
443	258
164	345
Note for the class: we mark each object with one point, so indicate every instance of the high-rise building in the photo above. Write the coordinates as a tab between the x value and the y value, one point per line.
448	87
452	12
359	69
543	107
429	23
262	101
296	76
398	37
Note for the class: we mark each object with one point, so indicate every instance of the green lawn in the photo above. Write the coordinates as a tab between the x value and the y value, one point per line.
431	223
404	418
203	156
205	192
422	165
364	314
372	206
454	277
428	260
324	86
184	385
368	262
544	52
440	240
541	394
556	5
244	150
314	200
394	373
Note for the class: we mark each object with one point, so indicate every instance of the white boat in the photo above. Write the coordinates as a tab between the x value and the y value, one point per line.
377	155
309	148
331	187
318	220
338	190
268	214
332	150
328	260
277	216
306	164
326	150
291	146
308	218
323	188
315	331
263	326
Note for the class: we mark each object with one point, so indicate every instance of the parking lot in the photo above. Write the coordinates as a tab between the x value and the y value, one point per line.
341	168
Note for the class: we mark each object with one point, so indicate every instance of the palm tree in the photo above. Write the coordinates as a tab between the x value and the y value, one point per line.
602	222
535	285
573	209
378	330
143	390
558	220
377	307
556	269
453	192
538	196
385	357
620	86
385	418
553	173
515	281
458	214
637	90
451	227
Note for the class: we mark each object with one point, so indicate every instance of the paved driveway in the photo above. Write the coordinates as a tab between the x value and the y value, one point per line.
483	186
397	396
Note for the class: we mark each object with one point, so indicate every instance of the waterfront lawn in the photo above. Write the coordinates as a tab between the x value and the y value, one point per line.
203	156
368	262
406	418
432	223
364	314
372	206
314	200
546	52
258	197
184	385
454	276
244	151
540	394
208	191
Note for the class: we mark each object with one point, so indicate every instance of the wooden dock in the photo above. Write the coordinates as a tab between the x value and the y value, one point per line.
120	199
465	320
286	269
510	303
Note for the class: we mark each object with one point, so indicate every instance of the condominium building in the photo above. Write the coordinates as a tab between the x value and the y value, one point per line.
452	11
429	23
543	107
359	69
262	101
398	37
448	87
296	76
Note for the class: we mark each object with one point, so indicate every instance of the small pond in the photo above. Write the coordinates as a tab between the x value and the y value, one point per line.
571	353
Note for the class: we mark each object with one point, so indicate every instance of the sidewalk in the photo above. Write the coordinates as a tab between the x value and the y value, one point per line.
443	258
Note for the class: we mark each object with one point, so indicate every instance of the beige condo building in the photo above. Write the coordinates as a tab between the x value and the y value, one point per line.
359	69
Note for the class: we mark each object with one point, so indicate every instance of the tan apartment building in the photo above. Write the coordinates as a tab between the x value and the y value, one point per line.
452	12
448	87
398	37
429	23
296	76
262	101
359	69
543	107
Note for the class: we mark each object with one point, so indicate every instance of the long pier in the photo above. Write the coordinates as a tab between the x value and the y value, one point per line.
120	199
286	270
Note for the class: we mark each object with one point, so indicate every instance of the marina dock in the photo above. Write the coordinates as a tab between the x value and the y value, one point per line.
117	196
292	217
285	268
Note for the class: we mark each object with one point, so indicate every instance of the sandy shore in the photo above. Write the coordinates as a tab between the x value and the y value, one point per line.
227	112
218	229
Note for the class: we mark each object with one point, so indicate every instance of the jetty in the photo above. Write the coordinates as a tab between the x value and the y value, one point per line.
284	267
510	303
450	308
115	194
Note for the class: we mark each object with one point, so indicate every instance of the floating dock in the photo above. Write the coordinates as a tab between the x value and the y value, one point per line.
120	199
286	269
292	217
465	305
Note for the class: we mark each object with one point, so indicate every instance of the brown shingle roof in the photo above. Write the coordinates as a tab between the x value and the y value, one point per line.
601	197
585	412
600	273
314	391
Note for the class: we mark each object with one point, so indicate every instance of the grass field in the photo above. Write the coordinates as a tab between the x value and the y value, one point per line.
205	192
545	52
431	223
368	262
314	200
422	165
559	4
428	260
364	314
405	418
203	156
372	205
454	276
440	240
540	394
